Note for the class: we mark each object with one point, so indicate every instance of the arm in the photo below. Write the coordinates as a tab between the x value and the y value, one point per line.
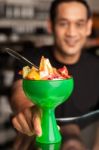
18	99
27	116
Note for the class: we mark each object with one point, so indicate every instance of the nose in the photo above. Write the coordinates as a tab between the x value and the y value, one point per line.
71	31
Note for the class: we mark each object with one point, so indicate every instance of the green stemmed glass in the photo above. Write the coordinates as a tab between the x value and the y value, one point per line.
48	94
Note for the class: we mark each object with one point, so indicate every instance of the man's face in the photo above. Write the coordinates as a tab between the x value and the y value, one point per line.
71	28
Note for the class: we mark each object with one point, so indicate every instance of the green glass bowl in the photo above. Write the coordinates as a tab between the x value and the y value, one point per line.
48	94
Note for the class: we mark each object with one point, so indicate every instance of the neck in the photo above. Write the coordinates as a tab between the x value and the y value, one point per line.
67	59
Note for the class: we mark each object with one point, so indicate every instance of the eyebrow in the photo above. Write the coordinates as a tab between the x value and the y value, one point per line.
79	20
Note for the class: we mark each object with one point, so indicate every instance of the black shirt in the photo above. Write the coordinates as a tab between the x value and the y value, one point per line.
85	96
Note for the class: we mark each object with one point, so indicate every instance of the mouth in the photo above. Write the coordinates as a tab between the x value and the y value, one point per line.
71	42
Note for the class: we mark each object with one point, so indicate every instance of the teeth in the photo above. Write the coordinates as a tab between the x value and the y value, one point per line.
70	42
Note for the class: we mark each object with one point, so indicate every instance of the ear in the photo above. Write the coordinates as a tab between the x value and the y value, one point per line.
49	26
89	27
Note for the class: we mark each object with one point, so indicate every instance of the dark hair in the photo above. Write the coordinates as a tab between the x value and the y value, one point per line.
56	3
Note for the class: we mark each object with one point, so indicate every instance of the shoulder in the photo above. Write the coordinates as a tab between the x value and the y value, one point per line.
38	50
44	50
92	64
36	54
91	59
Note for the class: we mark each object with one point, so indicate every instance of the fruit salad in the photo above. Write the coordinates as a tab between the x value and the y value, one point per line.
45	71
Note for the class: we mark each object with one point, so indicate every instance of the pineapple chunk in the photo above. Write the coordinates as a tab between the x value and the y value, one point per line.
33	74
25	71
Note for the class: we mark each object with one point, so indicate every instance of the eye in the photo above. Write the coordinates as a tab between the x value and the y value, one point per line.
80	24
63	24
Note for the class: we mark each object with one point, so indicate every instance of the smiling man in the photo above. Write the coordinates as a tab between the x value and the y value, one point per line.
71	27
70	23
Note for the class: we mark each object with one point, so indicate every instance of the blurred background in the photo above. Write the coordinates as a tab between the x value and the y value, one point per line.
24	23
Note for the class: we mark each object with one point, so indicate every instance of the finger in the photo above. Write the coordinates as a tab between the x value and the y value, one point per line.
36	111
28	116
17	125
37	125
24	125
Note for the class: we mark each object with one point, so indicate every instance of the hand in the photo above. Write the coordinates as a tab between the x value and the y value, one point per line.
70	129
28	121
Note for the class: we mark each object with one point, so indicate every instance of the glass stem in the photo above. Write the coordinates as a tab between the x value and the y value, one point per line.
50	132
